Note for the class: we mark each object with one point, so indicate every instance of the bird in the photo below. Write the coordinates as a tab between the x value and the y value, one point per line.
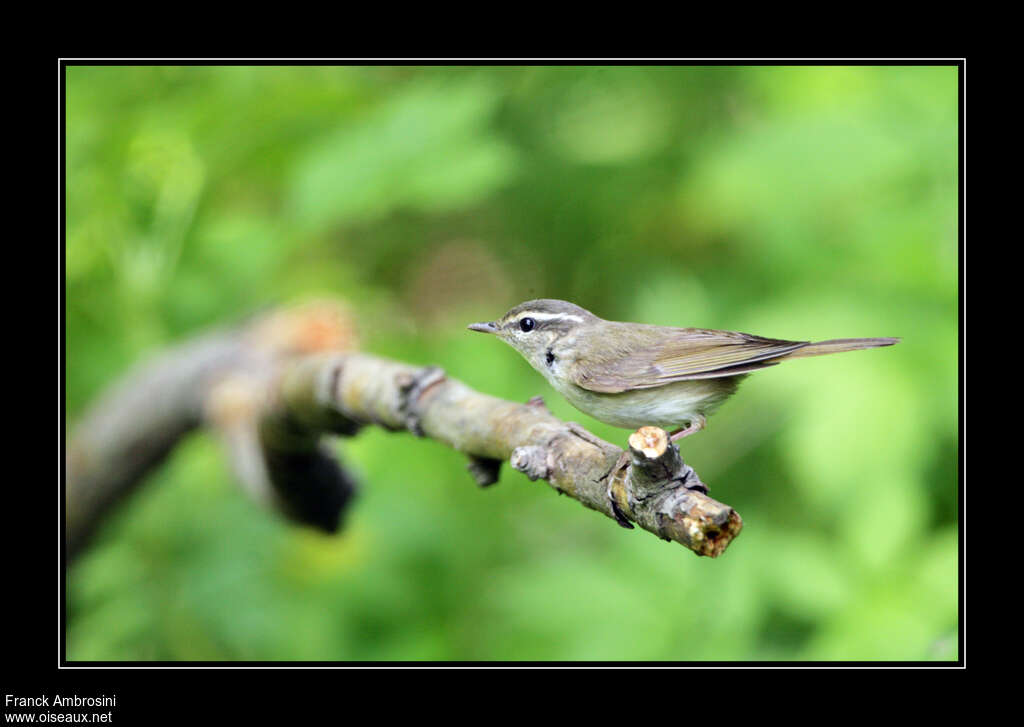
631	375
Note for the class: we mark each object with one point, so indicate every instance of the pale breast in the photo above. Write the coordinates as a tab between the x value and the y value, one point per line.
669	407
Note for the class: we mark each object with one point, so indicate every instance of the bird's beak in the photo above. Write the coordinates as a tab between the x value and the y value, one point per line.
483	327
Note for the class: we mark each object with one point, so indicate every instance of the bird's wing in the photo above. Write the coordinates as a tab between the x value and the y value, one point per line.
644	359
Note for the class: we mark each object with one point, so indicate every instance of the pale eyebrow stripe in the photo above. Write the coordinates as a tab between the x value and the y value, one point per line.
549	316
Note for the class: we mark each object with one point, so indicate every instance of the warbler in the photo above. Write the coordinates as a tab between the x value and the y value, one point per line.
633	374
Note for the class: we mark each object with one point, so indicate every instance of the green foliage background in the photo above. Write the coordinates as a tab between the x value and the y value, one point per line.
795	202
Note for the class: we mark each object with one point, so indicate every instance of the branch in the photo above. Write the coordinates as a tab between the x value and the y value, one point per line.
274	388
221	379
657	491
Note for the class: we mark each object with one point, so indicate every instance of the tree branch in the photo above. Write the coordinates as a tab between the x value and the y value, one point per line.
223	379
273	389
657	491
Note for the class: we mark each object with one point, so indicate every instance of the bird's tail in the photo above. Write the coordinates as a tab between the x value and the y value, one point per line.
838	345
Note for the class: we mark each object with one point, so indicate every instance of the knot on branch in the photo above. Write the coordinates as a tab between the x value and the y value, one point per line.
538	402
412	387
532	461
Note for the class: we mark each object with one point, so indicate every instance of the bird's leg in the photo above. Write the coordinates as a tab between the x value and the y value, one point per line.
696	424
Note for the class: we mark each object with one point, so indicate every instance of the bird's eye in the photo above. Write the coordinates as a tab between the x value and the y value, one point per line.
527	324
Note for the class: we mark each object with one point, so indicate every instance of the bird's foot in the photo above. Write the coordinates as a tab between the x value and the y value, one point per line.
695	425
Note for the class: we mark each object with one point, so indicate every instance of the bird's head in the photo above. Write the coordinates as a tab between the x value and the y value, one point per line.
534	328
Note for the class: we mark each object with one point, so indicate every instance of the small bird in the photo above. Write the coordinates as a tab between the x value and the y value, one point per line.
631	374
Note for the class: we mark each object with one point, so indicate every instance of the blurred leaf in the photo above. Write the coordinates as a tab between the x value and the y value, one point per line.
805	577
610	120
429	148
